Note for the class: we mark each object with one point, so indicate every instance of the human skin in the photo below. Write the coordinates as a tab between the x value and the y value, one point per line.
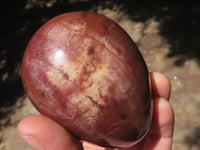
45	134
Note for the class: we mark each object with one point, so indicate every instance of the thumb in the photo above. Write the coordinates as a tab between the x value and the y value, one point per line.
45	134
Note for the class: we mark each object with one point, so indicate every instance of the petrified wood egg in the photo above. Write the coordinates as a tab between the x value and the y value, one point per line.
84	71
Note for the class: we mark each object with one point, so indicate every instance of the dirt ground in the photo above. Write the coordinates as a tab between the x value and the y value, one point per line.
167	35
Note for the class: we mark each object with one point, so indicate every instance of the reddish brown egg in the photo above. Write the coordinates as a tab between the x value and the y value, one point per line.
84	71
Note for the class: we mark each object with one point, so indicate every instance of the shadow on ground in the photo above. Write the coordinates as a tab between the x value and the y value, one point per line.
179	23
193	140
19	21
17	26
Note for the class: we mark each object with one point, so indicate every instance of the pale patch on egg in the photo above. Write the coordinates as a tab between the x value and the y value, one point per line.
87	41
77	27
100	85
85	105
73	69
56	78
87	83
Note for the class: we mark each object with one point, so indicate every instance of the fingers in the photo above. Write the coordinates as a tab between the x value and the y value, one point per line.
160	85
90	146
163	111
161	131
160	135
163	118
45	134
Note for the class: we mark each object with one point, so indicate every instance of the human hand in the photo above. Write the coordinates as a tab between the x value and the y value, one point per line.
45	134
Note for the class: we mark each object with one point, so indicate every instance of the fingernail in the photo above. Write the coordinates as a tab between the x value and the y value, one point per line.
32	141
